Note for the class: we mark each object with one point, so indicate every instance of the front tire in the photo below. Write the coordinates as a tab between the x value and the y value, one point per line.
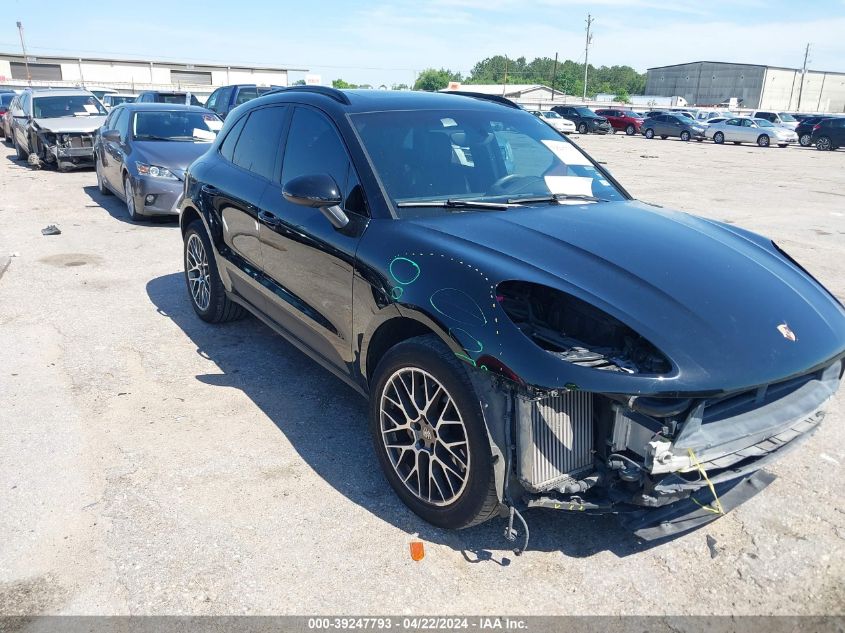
649	133
806	140
129	194
101	185
429	435
630	130
685	136
582	128
205	289
824	144
763	140
718	138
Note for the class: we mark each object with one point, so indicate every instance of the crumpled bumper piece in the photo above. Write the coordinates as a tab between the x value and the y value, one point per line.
690	514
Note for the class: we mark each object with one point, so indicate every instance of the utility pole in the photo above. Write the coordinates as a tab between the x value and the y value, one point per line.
505	85
554	77
590	20
25	57
803	74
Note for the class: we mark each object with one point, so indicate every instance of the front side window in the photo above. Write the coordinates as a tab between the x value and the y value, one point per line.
245	94
437	155
71	105
258	143
314	147
211	102
121	124
148	125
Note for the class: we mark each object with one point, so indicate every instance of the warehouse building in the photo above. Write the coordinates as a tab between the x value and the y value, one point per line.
127	75
754	86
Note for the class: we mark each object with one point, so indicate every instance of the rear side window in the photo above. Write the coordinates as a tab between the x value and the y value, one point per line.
258	143
245	94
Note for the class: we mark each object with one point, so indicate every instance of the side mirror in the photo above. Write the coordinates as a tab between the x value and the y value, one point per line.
112	136
317	191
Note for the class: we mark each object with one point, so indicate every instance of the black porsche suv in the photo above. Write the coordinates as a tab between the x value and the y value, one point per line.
526	333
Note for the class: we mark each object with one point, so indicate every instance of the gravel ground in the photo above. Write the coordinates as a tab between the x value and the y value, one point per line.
153	464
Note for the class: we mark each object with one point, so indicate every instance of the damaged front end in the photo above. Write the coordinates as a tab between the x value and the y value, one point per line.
64	150
666	465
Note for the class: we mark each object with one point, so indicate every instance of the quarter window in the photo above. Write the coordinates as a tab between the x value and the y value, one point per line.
258	144
227	148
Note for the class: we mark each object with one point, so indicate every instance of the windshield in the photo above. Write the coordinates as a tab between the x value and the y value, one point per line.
786	117
6	98
175	126
176	98
117	100
552	115
494	156
69	105
585	112
763	123
633	115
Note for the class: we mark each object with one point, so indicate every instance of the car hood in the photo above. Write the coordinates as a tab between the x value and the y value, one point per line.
174	155
67	124
710	296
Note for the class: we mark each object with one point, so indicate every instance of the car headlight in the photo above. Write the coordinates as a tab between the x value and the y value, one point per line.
155	171
577	332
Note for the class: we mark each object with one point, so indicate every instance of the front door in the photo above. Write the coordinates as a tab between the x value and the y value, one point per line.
309	262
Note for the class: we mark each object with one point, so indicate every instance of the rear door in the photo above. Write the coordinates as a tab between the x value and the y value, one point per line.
837	132
309	262
234	188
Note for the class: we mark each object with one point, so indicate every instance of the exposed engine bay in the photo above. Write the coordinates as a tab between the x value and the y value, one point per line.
64	150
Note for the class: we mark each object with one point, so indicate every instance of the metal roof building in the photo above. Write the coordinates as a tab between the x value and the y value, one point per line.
130	75
755	86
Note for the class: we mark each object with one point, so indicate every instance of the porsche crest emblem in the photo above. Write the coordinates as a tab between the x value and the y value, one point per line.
787	333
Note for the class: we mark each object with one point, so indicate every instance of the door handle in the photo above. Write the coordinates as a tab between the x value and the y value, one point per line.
210	190
270	219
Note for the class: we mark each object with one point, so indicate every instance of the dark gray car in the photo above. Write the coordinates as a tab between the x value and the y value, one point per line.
666	125
143	149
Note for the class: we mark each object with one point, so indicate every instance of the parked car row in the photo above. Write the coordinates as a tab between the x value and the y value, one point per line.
393	237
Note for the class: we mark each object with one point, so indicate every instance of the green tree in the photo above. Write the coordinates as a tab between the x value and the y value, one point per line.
623	97
399	87
432	79
340	84
298	82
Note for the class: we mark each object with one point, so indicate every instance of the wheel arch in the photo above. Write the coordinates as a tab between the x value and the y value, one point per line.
389	333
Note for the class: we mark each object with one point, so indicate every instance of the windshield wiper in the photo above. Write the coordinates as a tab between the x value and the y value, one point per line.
152	137
458	204
557	197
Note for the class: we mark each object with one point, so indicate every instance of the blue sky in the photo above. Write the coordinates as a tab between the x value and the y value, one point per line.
389	42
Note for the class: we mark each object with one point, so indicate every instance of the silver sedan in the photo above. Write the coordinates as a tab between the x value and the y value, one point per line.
746	130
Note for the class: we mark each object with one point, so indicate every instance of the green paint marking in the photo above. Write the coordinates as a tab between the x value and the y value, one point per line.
405	280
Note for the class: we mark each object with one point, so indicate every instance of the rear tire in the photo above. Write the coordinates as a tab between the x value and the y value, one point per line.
737	142
664	136
782	144
763	140
463	492
823	144
649	133
205	289
718	138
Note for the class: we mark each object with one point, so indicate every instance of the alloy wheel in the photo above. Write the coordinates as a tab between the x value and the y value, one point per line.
424	436
197	270
805	140
823	144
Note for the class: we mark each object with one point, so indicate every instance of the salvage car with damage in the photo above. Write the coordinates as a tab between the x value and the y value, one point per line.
56	127
527	334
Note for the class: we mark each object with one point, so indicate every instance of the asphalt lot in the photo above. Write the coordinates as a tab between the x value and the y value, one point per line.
153	464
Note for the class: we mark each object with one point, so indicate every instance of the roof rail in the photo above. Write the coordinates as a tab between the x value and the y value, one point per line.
333	93
481	95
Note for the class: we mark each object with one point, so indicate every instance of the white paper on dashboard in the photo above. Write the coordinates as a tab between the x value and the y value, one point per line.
214	124
204	134
570	185
566	153
90	108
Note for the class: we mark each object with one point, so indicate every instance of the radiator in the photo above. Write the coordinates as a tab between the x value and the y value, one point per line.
555	439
